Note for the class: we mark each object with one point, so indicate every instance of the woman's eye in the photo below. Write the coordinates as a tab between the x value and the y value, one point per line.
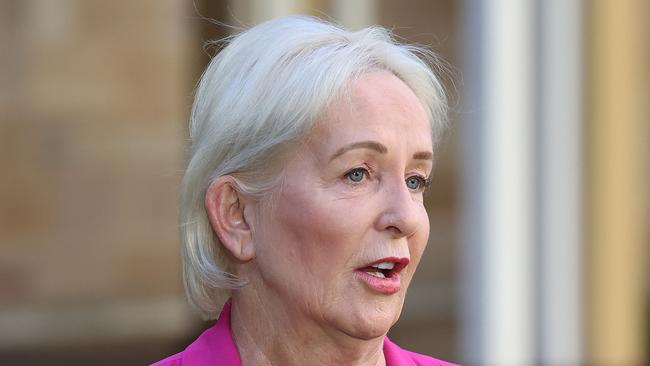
416	183
356	175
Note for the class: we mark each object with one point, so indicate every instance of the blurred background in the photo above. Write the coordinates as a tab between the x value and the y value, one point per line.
539	207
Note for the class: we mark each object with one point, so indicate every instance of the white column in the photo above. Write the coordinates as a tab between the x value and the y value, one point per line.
559	192
499	193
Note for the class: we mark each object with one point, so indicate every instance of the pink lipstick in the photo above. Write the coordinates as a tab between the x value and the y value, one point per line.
383	275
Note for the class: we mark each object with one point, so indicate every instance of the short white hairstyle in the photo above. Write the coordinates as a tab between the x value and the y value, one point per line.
260	95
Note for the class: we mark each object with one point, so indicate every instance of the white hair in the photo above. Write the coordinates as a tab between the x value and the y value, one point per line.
260	95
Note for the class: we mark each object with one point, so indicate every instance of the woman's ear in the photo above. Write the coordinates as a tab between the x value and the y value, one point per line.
225	205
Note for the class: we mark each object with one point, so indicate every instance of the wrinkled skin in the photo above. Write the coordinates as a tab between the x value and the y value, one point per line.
336	211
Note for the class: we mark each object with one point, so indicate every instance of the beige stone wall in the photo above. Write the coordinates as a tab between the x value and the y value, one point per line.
94	102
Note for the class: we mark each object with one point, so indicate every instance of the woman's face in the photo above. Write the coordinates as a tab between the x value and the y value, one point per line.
351	198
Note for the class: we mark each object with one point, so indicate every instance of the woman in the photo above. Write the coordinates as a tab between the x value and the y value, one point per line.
302	205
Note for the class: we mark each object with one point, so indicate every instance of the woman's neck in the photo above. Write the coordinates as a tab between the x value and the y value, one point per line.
268	333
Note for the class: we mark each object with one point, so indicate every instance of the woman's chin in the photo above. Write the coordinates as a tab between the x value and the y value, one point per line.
368	330
369	323
370	334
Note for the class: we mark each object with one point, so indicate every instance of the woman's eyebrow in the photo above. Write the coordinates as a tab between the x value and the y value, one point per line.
379	147
423	155
372	145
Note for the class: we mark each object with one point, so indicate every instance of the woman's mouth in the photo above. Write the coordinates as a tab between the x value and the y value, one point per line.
383	275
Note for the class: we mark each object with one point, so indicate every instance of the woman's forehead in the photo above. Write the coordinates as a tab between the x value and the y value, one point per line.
376	103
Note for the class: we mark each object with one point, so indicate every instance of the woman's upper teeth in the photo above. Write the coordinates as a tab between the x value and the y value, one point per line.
384	265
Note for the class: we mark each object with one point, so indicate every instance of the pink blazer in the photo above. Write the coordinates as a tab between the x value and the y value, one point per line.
215	347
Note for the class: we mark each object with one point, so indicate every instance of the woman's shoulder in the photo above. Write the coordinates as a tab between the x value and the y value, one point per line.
201	353
424	360
395	355
210	348
175	360
213	347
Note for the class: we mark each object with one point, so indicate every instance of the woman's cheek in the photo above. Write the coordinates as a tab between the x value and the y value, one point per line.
419	241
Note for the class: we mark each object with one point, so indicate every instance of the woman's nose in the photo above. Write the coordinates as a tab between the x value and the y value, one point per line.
401	212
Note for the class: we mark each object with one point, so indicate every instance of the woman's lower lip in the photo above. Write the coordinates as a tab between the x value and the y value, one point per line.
389	285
